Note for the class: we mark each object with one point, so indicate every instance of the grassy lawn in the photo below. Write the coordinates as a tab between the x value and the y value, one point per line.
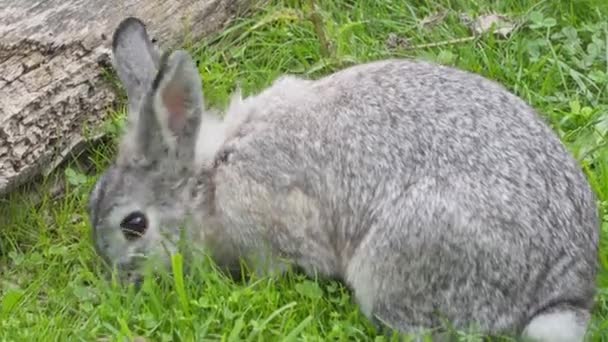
52	286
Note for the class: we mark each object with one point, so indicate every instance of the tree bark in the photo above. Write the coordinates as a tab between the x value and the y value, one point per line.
54	56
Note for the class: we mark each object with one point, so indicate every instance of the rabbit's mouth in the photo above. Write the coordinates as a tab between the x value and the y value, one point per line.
142	265
129	272
132	278
137	281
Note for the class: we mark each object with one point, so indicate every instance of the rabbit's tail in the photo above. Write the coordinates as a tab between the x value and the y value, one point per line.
559	324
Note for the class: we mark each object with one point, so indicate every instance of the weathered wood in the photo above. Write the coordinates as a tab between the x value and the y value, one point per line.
52	58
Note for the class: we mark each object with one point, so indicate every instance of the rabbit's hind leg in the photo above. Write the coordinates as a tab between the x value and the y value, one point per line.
373	283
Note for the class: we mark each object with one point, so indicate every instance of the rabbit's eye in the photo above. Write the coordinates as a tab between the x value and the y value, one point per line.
134	225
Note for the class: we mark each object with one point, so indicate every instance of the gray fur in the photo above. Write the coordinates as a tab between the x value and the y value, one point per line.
435	194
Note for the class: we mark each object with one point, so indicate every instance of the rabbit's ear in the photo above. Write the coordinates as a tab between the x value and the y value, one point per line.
177	101
135	59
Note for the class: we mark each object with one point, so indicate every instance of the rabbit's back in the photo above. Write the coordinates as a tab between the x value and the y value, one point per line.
435	187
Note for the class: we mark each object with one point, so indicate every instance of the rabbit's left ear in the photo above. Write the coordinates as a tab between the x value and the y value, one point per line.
135	59
177	101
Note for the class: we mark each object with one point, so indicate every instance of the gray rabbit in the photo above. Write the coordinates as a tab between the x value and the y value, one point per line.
434	194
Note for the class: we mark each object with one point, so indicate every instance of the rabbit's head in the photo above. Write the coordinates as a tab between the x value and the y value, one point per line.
139	206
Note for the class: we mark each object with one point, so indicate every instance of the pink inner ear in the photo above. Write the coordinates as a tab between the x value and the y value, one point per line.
174	100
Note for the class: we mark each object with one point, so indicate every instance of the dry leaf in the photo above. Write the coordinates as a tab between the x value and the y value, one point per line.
465	19
433	19
496	23
135	339
393	41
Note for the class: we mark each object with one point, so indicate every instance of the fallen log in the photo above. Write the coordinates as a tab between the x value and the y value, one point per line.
54	56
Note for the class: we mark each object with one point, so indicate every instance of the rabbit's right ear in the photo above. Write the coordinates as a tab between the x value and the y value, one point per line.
135	59
177	102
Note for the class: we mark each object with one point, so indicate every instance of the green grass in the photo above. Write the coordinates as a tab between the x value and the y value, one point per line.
52	286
